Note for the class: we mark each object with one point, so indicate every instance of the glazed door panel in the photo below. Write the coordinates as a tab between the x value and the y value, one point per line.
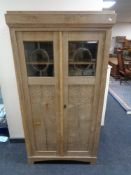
39	65
82	65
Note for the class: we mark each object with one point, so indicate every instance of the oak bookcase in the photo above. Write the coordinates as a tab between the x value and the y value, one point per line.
61	62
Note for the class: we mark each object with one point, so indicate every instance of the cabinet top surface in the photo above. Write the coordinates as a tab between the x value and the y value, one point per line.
61	12
70	18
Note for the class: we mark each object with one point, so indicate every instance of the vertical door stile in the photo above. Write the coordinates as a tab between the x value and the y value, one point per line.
96	92
65	91
57	88
105	45
61	96
24	80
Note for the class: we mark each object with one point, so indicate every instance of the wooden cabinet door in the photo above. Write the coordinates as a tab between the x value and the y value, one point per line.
82	65
38	61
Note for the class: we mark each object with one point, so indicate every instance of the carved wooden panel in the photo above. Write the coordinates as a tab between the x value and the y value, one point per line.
78	117
44	117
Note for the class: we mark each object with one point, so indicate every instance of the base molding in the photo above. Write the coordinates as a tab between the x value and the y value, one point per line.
17	140
33	159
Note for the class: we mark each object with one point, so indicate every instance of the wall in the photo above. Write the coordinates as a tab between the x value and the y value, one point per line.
7	72
8	84
122	29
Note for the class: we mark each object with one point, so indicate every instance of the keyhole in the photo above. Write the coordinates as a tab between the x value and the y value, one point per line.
64	105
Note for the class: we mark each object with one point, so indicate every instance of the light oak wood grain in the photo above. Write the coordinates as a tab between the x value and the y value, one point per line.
60	18
61	114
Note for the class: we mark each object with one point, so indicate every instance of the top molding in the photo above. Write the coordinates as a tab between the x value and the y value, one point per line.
60	18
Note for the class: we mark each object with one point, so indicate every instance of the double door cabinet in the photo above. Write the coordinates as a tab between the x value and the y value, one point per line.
61	61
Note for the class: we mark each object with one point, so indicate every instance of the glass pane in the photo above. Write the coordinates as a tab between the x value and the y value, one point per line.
82	58
39	58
